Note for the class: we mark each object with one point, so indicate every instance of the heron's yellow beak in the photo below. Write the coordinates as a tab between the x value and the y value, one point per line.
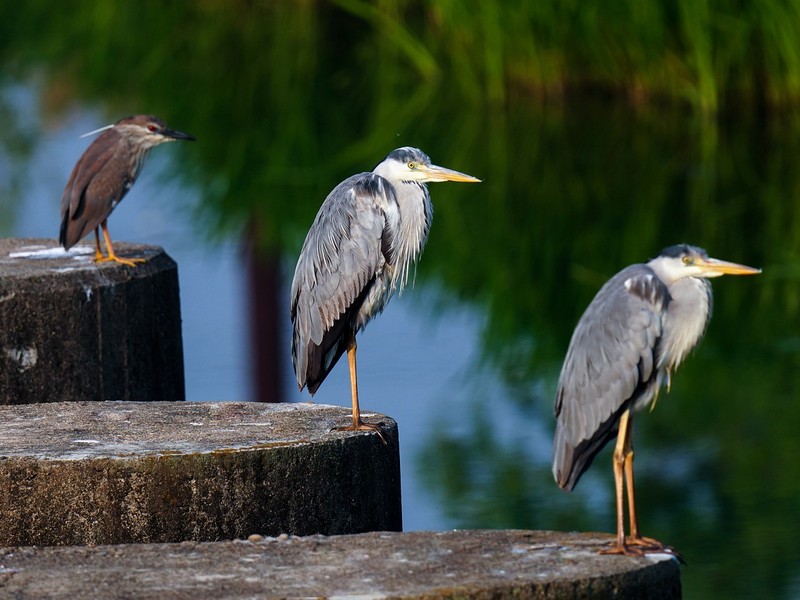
723	267
437	173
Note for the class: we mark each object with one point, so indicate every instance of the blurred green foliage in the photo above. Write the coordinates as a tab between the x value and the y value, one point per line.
310	88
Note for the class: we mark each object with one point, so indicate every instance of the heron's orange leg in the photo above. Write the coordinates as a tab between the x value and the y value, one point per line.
635	538
358	424
619	493
131	262
636	544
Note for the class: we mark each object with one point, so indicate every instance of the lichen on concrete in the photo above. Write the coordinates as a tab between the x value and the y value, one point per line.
73	329
415	565
124	472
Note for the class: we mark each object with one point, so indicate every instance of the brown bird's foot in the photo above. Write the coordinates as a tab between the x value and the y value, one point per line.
131	262
363	427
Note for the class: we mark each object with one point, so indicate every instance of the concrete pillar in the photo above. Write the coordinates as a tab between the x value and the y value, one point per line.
75	473
535	565
71	329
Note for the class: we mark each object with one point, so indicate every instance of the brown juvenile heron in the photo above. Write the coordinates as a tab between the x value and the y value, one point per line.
104	174
367	235
640	326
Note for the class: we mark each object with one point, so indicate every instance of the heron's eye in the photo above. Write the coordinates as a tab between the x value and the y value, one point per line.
412	165
152	128
687	260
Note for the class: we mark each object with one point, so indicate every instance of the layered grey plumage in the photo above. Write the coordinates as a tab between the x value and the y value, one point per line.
640	326
346	272
363	243
634	334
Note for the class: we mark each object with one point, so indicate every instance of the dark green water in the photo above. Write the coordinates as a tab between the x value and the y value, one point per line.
284	107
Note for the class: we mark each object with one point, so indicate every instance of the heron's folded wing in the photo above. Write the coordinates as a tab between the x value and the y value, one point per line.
349	244
611	362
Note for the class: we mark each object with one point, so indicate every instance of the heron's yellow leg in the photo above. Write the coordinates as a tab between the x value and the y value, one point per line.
358	424
112	257
636	544
351	362
635	538
619	494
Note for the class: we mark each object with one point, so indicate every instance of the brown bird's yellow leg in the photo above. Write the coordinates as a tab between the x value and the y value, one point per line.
358	424
98	254
131	262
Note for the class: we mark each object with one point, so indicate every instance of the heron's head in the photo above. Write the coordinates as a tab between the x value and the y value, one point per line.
677	262
413	165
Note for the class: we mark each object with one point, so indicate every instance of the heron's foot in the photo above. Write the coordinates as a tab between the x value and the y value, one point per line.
640	546
361	426
131	262
645	543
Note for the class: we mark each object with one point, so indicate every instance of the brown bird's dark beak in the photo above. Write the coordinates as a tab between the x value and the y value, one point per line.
178	135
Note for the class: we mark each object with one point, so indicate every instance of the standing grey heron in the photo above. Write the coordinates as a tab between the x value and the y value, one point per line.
104	174
640	326
366	237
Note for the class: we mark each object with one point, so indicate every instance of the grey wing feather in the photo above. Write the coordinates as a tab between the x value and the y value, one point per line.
345	255
612	362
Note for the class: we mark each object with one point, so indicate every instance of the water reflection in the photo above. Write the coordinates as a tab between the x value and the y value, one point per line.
467	361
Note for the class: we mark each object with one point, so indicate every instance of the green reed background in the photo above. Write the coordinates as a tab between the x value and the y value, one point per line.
323	78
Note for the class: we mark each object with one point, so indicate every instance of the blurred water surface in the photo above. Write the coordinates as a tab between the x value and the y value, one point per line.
285	103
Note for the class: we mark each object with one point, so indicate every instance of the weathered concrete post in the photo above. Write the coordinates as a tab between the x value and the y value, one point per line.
75	473
72	330
458	565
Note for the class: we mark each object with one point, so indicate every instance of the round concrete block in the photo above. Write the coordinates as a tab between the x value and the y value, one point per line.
123	472
71	329
536	565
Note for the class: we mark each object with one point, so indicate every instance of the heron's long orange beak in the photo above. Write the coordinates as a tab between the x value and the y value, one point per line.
723	267
437	173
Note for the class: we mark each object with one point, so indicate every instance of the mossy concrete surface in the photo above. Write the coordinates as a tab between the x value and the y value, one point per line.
74	473
425	565
72	329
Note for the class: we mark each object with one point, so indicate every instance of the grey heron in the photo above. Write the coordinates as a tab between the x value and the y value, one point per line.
104	174
366	237
640	326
